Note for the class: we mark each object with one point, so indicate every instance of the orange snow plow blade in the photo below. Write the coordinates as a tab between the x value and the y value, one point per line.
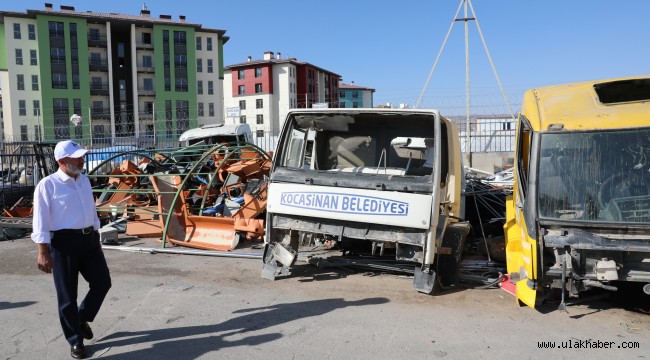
211	233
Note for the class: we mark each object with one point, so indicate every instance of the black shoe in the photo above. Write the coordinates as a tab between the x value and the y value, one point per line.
78	351
85	330
111	242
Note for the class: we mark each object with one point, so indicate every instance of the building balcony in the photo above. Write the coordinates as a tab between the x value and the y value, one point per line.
145	68
97	41
57	59
145	115
141	45
146	92
98	65
98	89
59	84
100	112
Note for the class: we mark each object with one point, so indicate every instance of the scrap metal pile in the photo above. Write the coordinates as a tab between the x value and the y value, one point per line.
485	209
201	196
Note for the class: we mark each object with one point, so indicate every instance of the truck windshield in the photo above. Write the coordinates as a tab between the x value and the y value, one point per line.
595	176
362	144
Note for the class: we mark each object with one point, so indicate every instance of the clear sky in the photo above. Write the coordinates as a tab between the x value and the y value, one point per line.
391	45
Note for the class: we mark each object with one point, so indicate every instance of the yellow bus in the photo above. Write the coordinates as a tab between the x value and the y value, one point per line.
579	215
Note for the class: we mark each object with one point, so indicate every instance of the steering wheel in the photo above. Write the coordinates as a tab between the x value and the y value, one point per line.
606	192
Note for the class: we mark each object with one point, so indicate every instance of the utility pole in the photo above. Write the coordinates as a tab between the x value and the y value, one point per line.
468	145
466	19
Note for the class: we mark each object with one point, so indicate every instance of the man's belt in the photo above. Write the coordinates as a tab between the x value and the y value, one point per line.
84	231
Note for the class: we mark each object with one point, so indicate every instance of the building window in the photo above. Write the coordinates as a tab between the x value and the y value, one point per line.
260	119
147	61
31	32
259	133
19	56
241	75
259	103
37	133
355	94
210	65
73	30
242	104
96	83
355	104
182	116
95	59
22	108
208	43
210	88
93	34
16	31
147	84
258	88
35	82
59	81
98	108
76	106
258	72
211	109
181	84
180	61
75	81
180	37
198	43
146	38
242	89
242	119
342	93
57	55
23	133
199	87
200	109
20	81
56	30
199	65
169	125
32	57
37	108
148	108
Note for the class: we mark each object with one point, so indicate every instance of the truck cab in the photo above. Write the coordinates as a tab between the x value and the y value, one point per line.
579	215
385	180
213	134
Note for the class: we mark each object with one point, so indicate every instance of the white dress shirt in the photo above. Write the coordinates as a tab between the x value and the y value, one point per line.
62	202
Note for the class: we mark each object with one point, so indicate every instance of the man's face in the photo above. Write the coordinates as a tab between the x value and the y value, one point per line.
74	166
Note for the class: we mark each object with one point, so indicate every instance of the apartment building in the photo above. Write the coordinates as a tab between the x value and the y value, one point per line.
123	76
354	96
261	92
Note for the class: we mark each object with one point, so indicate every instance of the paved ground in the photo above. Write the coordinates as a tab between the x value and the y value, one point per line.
195	307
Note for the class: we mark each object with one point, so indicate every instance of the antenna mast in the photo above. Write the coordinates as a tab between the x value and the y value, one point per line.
466	20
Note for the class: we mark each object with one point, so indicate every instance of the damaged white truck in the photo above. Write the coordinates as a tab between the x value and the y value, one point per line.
389	180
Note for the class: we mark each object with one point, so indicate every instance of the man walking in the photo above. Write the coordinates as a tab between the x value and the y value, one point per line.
65	225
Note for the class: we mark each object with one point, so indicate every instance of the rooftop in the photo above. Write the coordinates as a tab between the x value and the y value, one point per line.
143	19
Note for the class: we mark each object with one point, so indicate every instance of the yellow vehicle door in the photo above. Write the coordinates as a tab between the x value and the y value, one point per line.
521	249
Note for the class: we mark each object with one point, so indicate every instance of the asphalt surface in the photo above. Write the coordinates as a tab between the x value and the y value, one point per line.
167	306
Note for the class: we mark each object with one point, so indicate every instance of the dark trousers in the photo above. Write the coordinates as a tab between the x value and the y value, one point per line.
72	254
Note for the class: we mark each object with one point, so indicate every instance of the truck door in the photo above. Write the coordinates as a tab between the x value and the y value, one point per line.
521	248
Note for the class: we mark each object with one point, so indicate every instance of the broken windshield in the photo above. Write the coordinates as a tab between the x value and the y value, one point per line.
375	144
595	176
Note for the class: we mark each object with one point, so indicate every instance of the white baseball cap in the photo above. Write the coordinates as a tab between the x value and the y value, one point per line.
68	148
